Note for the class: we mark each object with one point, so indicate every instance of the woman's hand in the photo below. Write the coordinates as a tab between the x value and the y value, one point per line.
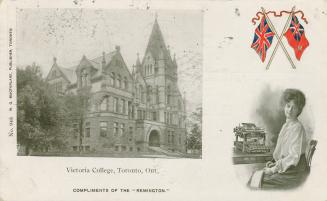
270	164
268	171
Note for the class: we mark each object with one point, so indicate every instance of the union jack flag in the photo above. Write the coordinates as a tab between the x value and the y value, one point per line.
296	37
263	37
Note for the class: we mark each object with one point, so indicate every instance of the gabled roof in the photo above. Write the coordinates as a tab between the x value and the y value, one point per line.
70	72
107	57
60	69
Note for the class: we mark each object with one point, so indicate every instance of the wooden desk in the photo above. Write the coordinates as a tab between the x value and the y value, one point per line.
246	158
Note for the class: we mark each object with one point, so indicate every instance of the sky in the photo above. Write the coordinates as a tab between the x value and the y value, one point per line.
68	34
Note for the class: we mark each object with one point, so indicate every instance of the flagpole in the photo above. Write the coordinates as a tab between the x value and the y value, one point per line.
279	40
284	30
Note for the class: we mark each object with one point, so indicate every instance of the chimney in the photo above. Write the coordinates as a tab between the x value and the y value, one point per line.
117	48
54	60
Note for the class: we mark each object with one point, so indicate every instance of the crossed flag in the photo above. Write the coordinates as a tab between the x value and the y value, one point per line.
293	31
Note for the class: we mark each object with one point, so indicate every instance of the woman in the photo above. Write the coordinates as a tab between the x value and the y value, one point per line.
289	167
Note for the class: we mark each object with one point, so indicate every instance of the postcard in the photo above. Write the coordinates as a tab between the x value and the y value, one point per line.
163	100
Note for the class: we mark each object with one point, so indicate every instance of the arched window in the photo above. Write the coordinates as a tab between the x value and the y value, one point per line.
112	79
118	81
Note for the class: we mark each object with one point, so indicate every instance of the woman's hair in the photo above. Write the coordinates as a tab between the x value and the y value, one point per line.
296	95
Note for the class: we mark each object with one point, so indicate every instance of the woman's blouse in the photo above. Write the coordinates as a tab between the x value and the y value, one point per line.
291	144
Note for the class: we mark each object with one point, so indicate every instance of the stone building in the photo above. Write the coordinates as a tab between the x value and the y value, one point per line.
138	111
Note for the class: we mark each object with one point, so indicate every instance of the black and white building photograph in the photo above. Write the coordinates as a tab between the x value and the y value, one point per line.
109	83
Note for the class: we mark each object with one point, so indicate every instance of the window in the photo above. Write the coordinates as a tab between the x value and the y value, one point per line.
130	133
58	87
122	129
110	103
168	137
75	129
165	117
119	81
115	128
130	148
149	94
154	116
142	94
139	114
116	148
157	95
74	148
168	118
87	148
123	148
172	137
103	128
180	139
84	77
130	109
168	95
123	106
104	104
87	129
115	104
125	83
112	79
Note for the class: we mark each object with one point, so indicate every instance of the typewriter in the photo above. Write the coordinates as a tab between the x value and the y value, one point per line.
250	138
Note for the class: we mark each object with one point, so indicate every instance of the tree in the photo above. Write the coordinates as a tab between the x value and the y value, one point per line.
194	137
76	109
39	111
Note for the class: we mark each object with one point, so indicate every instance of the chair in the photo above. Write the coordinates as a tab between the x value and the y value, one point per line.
311	150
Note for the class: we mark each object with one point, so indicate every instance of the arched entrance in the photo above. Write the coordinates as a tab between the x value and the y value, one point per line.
154	139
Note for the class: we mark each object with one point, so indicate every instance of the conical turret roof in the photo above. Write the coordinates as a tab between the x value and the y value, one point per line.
156	44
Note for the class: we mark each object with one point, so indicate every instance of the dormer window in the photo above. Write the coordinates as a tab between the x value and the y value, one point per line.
118	81
112	79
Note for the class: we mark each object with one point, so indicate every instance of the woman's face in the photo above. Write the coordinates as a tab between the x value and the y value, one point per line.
291	110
